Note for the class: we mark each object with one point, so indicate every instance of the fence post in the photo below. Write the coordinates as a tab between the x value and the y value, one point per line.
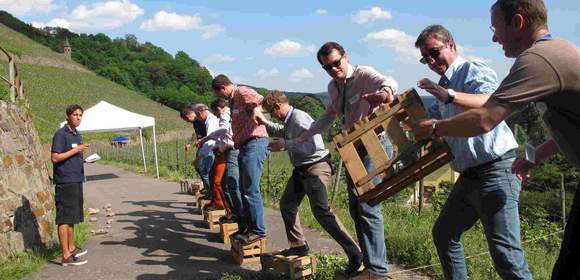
563	196
269	176
177	154
335	184
11	77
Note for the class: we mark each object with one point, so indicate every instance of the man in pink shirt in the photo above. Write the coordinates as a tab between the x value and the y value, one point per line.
356	91
252	141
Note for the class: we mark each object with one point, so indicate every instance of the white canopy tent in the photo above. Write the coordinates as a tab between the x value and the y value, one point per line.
105	117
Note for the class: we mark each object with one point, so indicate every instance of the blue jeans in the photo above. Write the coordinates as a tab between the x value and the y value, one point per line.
203	168
368	221
231	184
251	159
490	194
568	264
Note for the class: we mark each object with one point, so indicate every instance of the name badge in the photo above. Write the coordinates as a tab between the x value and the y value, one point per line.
353	99
74	145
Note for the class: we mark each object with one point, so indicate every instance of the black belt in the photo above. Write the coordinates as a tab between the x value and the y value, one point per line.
475	169
246	142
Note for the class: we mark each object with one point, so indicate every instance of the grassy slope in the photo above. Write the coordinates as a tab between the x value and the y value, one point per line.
50	89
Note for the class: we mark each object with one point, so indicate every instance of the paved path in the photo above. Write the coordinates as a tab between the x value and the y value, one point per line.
156	234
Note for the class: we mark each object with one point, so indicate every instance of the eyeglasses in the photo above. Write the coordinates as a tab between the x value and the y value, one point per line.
335	64
492	29
431	55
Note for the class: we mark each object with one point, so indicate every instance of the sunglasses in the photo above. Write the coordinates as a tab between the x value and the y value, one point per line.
431	55
335	64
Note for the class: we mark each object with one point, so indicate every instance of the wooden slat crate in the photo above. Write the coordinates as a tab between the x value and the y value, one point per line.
226	230
201	203
247	253
411	160
292	267
212	218
195	186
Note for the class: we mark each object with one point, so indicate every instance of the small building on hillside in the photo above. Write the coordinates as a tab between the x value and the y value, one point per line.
66	49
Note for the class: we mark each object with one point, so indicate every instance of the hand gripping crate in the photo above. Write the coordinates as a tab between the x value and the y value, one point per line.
411	161
212	217
226	230
293	267
247	253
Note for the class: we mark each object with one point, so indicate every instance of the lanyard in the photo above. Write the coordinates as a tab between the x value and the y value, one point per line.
544	37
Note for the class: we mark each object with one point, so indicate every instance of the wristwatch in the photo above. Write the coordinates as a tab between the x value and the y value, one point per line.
450	96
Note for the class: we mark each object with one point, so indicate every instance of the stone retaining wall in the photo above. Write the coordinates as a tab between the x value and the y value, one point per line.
26	193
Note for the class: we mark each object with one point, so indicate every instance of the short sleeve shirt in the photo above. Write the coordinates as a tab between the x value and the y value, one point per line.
70	170
548	74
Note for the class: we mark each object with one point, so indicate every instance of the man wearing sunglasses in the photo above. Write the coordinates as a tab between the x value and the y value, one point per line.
355	91
486	190
545	73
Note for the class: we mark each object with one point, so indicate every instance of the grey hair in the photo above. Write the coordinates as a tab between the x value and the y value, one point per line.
438	32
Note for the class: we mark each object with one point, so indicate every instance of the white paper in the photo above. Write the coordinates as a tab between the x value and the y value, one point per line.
92	158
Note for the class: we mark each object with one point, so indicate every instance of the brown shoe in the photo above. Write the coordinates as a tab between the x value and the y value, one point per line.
367	275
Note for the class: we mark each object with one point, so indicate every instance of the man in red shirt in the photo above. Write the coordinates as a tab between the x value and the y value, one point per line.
252	141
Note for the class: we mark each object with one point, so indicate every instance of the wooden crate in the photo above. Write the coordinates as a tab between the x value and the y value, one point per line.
412	160
201	203
247	253
293	267
184	186
226	230
212	218
195	186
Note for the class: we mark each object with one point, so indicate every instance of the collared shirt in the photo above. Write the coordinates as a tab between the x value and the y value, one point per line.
70	170
224	135
242	104
346	102
211	125
295	123
475	78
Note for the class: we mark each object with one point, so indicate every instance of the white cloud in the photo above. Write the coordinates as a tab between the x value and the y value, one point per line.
212	30
217	58
466	52
321	12
55	22
265	74
289	48
104	15
397	40
168	21
163	20
372	15
100	15
21	7
300	74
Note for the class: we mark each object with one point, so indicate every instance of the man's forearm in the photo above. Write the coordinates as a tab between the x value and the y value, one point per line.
470	100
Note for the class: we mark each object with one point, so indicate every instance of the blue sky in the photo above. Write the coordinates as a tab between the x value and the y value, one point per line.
272	44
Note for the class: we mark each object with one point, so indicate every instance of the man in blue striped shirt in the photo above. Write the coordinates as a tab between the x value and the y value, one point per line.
486	190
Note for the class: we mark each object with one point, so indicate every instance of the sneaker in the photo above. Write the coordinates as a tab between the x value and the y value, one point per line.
73	261
78	251
299	251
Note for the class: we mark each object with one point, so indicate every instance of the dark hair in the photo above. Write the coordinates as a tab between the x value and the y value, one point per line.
534	11
185	110
217	103
219	81
327	48
72	108
272	98
438	32
200	107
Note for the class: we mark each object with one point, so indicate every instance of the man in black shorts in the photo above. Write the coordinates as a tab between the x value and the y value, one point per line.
67	158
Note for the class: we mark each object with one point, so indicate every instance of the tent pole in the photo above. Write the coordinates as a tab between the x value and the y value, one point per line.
142	149
155	149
